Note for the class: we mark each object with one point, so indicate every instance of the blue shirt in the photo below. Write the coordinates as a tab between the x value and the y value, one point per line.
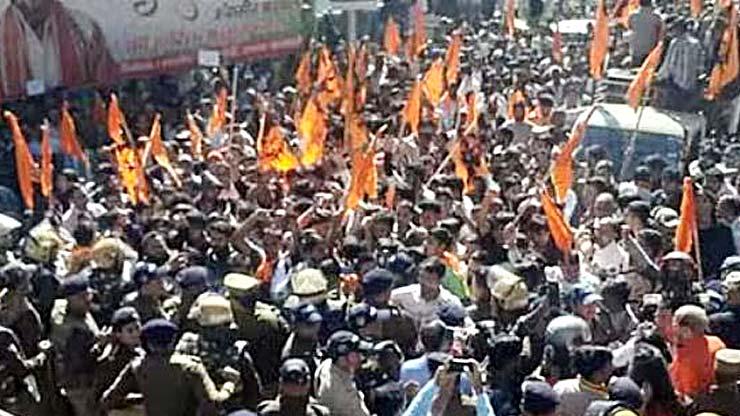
422	403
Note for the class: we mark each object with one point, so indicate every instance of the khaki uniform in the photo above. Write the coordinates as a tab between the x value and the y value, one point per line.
74	338
175	385
336	390
110	364
276	408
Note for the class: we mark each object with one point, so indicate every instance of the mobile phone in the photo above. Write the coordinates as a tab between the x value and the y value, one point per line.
459	365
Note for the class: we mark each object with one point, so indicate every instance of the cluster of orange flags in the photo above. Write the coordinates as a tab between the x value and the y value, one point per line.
391	37
217	121
687	221
159	151
24	166
644	77
509	17
116	121
727	67
47	164
562	168
412	109
560	231
272	150
599	42
312	130
196	136
68	136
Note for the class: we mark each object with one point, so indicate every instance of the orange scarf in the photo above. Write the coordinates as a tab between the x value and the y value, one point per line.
692	372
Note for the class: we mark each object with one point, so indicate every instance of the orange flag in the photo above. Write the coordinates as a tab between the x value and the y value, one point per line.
132	176
361	63
273	152
696	7
328	79
599	42
557	47
687	221
24	165
196	137
303	74
623	9
348	101
68	136
452	59
391	37
312	130
461	169
419	35
562	169
47	164
217	121
509	17
434	82
357	132
390	196
727	67
559	229
471	121
159	151
364	180
116	121
642	81
516	98
412	109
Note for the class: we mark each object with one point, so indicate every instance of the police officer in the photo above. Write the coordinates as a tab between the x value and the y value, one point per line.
334	385
303	342
193	282
122	349
16	310
172	384
311	286
260	325
217	344
74	334
147	299
16	392
293	398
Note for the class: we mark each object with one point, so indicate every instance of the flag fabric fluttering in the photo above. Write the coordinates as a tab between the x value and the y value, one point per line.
47	162
452	59
686	229
599	42
116	121
391	37
727	67
217	120
412	109
68	136
364	181
329	80
560	231
131	174
159	151
196	137
273	152
312	131
303	74
24	164
509	17
417	41
644	78
562	168
434	82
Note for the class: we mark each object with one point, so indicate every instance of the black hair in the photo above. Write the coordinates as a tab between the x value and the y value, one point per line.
589	359
433	265
649	366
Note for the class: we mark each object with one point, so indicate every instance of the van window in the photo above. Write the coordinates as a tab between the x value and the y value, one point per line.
615	142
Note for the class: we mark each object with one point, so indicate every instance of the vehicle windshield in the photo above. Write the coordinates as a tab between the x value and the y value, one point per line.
615	142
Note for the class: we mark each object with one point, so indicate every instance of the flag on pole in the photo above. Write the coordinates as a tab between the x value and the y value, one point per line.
452	58
559	230
418	38
391	37
24	164
509	17
303	74
217	121
68	136
687	221
273	152
312	130
434	82
159	151
727	67
412	109
461	169
644	77
196	137
364	181
116	121
47	163
562	168
599	42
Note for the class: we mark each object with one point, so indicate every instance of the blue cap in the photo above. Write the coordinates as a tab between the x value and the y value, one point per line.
538	397
158	331
192	276
145	273
307	314
376	281
75	284
124	316
583	295
452	314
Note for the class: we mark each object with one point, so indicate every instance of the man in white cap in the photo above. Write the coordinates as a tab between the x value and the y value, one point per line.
724	396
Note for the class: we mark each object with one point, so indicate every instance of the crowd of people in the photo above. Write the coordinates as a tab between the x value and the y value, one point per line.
452	274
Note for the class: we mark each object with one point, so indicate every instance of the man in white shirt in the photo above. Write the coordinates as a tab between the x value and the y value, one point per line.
423	300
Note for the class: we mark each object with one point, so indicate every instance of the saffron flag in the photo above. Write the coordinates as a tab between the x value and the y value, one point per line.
196	137
364	181
461	169
159	151
434	82
471	120
312	130
419	35
696	7
599	42
562	169
116	121
412	109
303	74
274	153
68	136
47	164
509	17
557	47
623	9
328	79
728	65
687	221
644	77
559	230
24	165
516	98
391	37
132	175
452	59
217	121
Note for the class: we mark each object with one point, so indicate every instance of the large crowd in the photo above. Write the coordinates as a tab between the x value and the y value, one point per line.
407	227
